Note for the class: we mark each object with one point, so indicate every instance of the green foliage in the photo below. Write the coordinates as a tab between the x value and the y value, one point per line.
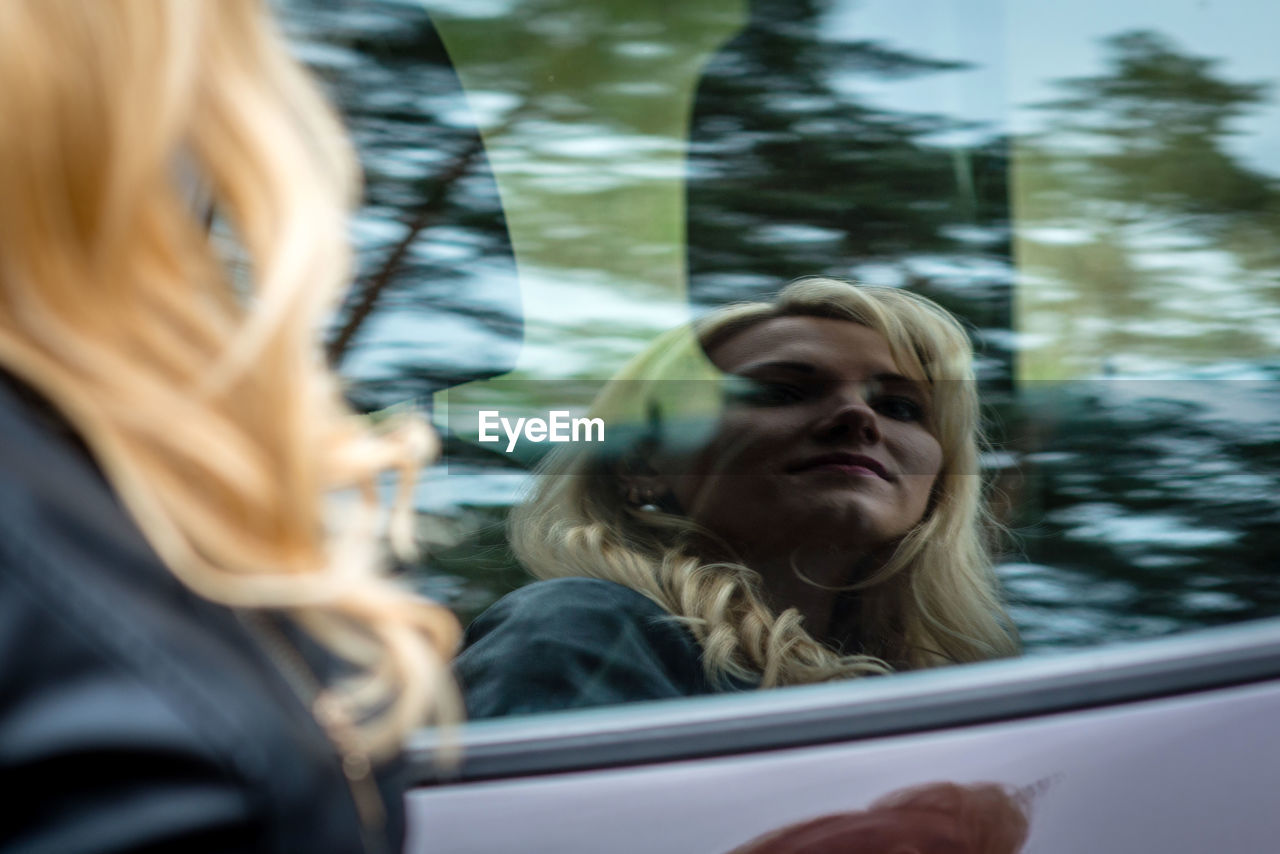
1134	167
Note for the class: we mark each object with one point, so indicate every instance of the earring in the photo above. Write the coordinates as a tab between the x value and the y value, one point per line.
643	499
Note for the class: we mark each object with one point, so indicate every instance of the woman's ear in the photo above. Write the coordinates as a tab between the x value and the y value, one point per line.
640	485
644	491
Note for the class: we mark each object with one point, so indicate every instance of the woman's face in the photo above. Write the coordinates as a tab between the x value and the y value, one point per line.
823	445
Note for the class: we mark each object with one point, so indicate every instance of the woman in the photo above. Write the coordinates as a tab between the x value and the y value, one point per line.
819	516
198	648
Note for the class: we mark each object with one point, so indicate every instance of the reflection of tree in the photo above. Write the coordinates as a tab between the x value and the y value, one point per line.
364	299
794	171
431	225
1145	244
792	174
1120	198
591	168
1155	125
1152	506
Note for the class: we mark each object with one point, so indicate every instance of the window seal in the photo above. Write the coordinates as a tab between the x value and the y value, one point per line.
733	724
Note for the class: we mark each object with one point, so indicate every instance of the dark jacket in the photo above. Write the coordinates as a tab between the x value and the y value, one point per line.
572	643
135	715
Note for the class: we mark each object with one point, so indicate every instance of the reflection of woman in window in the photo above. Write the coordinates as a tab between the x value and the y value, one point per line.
197	648
819	516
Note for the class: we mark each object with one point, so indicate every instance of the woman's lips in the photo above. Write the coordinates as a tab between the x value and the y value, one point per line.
854	465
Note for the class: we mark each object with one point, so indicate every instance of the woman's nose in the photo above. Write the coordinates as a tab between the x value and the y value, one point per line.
850	417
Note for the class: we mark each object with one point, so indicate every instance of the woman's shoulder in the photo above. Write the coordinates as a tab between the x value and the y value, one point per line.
130	703
569	612
137	709
607	601
572	643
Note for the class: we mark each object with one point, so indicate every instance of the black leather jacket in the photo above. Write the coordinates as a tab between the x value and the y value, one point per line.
135	715
572	643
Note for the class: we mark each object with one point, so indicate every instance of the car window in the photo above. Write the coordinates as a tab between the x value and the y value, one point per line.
1092	188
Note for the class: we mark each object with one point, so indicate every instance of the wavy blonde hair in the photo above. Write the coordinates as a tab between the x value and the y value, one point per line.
934	601
202	395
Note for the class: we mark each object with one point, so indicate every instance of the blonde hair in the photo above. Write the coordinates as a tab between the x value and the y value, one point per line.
205	400
935	601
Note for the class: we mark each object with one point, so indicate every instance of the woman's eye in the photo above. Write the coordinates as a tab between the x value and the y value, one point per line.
765	392
899	408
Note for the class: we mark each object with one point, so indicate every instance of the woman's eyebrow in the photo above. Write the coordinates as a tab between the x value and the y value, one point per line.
808	369
898	381
895	379
779	365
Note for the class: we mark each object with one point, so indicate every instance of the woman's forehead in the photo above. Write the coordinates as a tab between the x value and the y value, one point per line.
841	346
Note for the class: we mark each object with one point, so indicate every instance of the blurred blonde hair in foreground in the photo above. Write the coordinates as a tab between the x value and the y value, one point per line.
205	400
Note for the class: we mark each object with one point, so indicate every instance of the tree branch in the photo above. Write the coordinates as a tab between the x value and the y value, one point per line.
374	285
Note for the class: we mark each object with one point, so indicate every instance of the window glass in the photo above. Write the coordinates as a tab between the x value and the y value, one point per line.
1092	187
